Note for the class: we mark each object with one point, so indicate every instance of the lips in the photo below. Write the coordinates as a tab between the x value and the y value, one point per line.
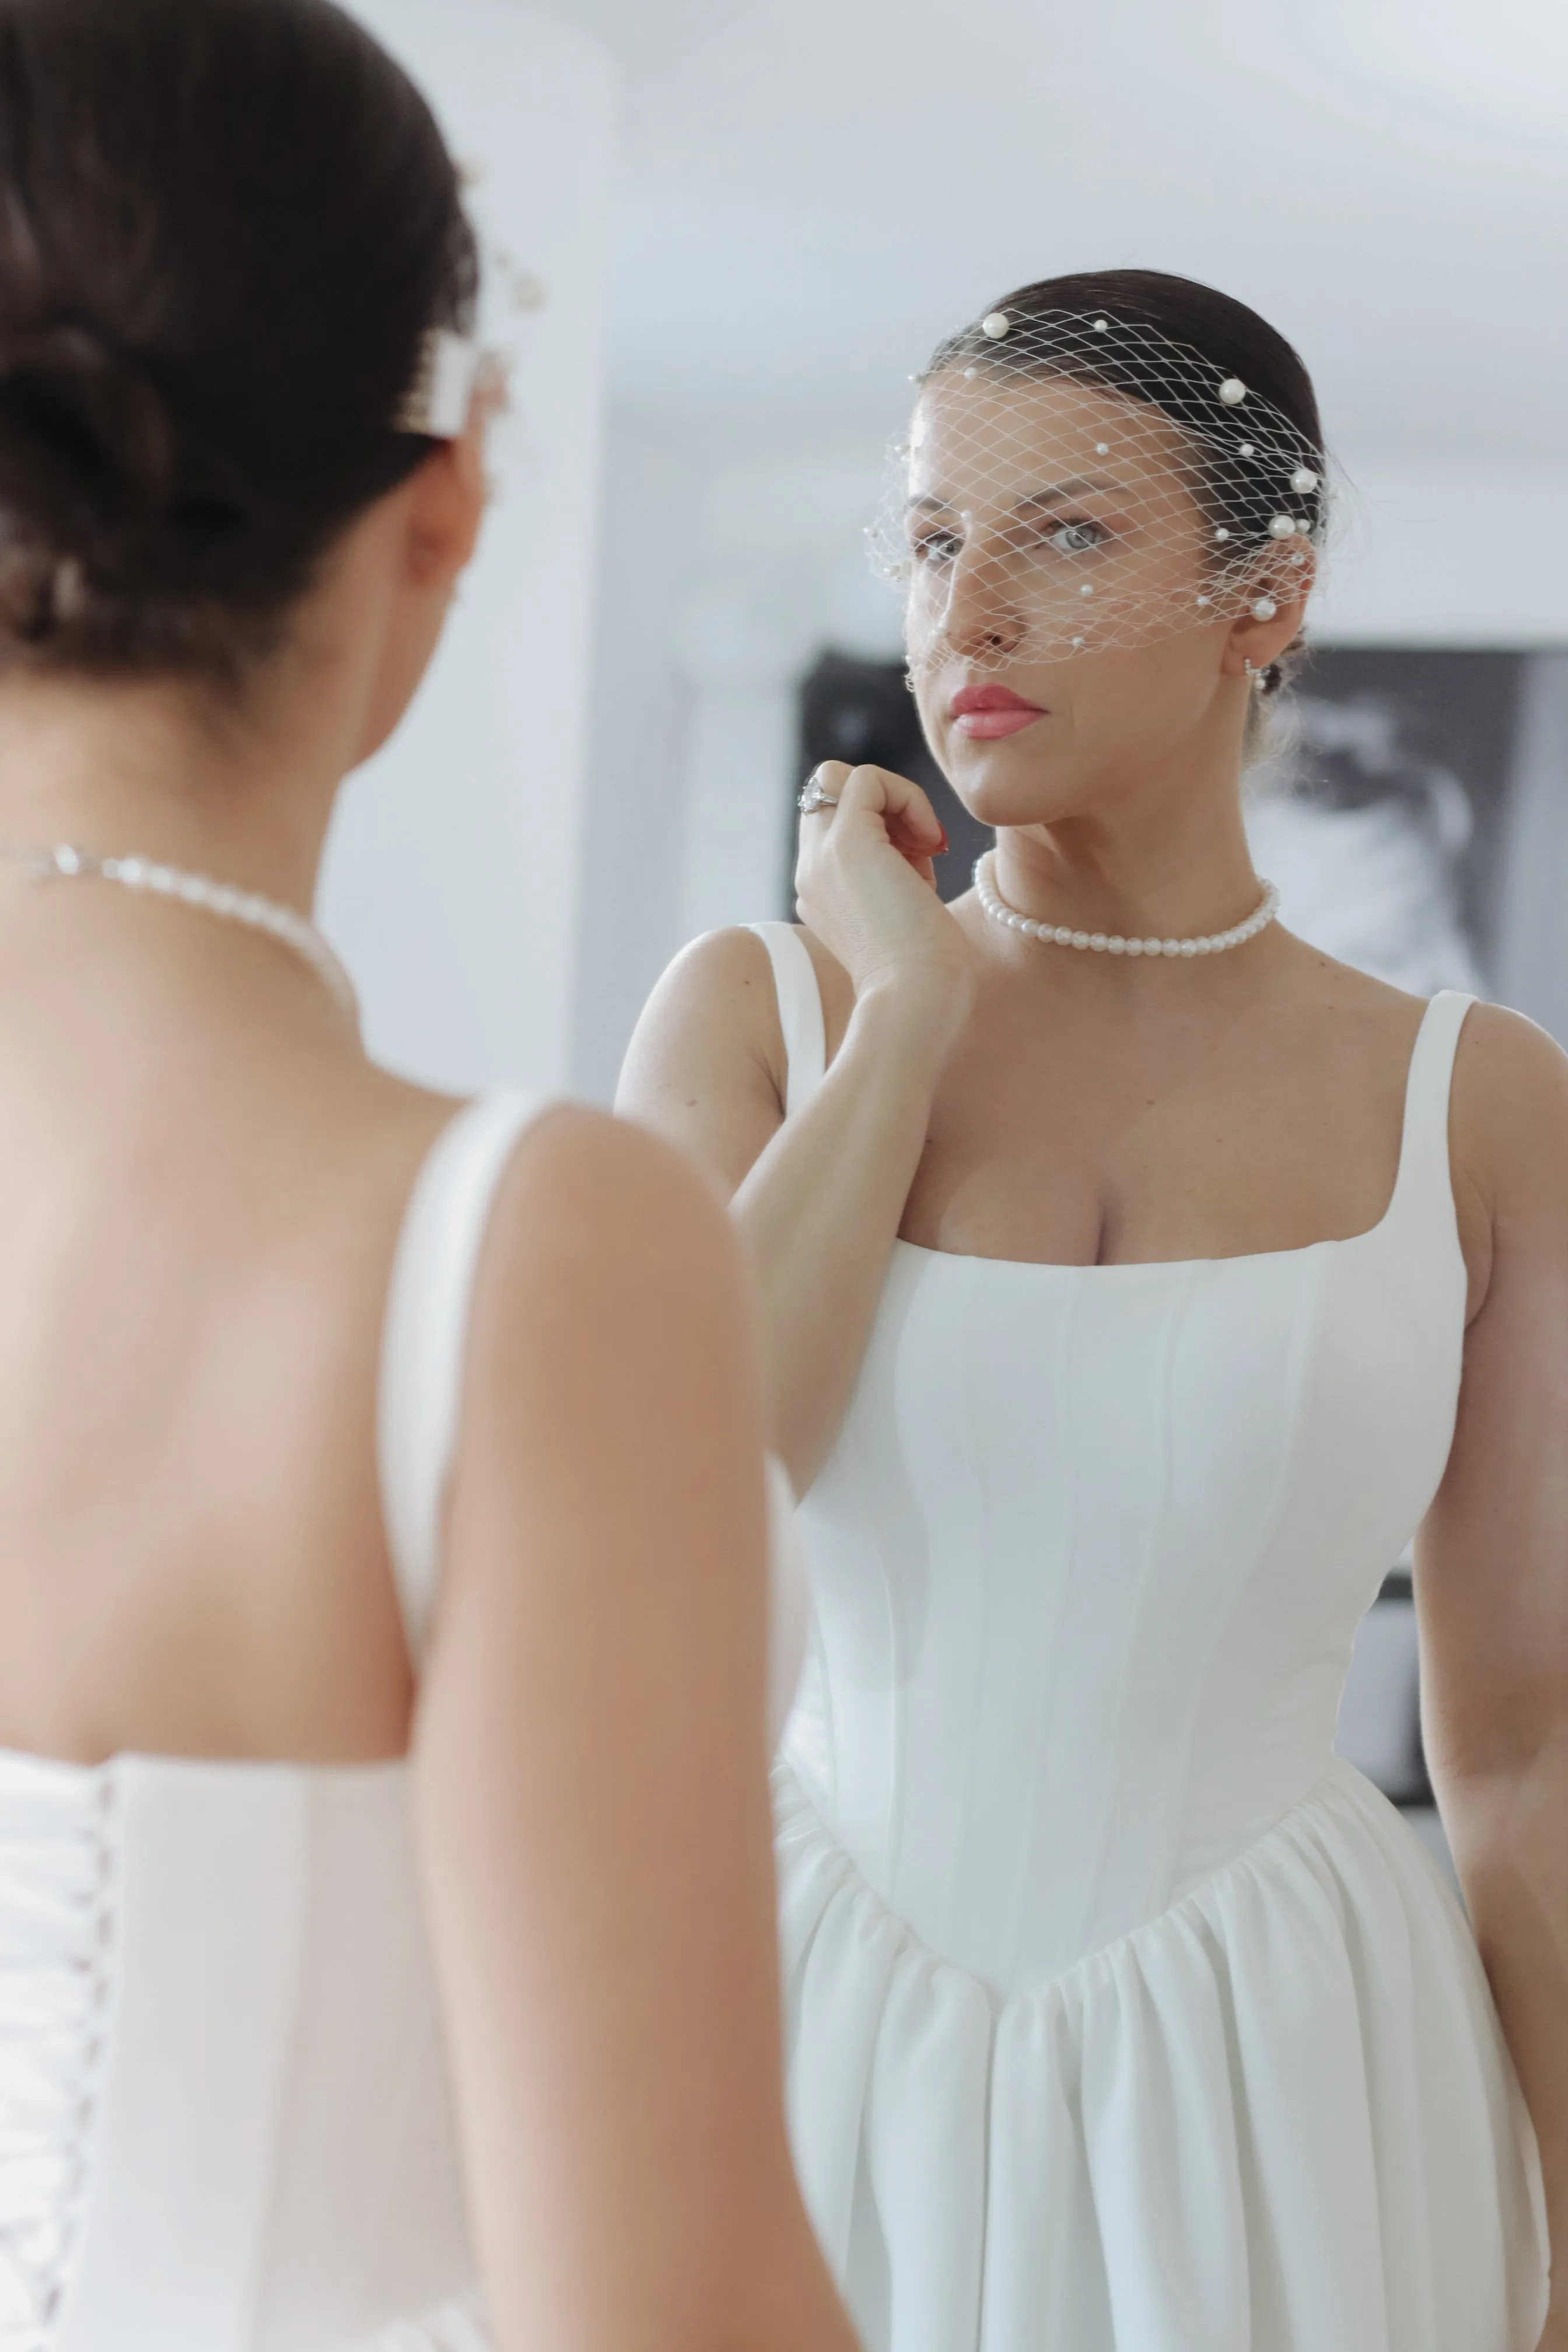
986	713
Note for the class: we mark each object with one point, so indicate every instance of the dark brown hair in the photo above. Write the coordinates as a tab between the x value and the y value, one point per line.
225	227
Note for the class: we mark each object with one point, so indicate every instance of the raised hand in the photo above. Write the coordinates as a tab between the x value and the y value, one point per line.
865	884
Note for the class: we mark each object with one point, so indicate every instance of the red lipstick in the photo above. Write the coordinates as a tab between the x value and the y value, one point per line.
986	713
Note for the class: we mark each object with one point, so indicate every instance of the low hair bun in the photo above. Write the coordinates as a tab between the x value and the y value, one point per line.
93	414
208	323
87	450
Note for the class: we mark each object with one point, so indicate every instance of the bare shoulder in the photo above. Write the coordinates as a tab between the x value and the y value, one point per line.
728	975
1356	1001
715	998
1507	1112
728	968
593	1202
580	1190
707	1064
1509	1116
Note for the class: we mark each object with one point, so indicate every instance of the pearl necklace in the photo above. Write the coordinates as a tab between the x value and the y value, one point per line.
996	907
280	922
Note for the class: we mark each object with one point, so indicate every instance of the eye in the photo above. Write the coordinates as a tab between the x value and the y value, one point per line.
1077	538
936	547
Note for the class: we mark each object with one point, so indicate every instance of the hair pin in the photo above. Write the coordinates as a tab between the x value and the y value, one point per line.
441	398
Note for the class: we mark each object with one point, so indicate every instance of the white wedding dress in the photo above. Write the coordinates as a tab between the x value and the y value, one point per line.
225	2124
1124	2016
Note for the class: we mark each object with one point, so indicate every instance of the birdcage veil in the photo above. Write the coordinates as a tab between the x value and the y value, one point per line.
1075	481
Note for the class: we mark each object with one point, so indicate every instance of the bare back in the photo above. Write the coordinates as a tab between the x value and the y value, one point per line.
197	1219
205	1195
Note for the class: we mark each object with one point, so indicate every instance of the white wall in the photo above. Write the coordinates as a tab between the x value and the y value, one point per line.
727	571
1448	554
452	883
722	575
639	721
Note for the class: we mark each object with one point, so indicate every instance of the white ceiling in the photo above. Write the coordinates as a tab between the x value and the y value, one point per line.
814	190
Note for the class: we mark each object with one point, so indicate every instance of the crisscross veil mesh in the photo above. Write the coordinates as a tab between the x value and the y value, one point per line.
1076	482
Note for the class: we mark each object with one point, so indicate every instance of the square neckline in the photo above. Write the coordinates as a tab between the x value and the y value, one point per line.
1234	1257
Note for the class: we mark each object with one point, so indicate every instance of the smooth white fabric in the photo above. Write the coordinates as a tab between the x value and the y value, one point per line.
223	2114
1124	2016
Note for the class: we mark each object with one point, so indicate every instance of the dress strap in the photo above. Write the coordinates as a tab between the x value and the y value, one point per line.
425	1337
800	1011
1424	1182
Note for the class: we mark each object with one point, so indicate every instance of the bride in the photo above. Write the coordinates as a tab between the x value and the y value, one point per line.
1135	1284
287	1342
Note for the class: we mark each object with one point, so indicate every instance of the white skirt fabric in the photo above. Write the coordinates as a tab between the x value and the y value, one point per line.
1279	2118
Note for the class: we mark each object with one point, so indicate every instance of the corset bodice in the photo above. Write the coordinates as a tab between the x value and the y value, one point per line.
1090	1555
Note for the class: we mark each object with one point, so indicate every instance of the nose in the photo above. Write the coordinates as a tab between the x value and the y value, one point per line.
982	619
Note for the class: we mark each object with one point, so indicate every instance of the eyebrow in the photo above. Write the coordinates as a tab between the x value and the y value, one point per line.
1059	494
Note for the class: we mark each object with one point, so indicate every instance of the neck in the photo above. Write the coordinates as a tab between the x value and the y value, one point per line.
1162	856
160	770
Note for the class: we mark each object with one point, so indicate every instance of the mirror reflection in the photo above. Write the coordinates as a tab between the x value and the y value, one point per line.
1115	1069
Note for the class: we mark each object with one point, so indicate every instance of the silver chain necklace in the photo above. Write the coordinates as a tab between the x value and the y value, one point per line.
282	923
1102	943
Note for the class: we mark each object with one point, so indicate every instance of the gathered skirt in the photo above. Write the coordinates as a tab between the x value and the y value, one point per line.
1281	2116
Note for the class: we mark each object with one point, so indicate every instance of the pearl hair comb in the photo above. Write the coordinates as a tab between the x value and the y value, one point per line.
440	400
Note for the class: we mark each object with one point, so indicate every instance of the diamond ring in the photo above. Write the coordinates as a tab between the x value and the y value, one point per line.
813	798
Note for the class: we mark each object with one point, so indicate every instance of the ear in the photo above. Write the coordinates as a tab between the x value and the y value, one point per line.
447	496
1275	610
429	527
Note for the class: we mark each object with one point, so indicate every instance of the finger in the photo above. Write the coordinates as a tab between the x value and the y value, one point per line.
879	792
828	777
913	844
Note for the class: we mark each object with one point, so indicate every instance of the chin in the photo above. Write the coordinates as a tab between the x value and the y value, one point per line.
999	783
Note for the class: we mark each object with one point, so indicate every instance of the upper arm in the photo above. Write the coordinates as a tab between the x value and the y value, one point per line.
591	1756
1493	1557
705	1065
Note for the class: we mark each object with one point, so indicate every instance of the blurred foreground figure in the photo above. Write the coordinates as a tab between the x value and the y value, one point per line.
322	1395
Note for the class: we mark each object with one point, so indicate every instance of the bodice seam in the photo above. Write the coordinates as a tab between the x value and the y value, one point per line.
1160	1453
1328	1784
1045	1695
1303	1357
1325	1784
